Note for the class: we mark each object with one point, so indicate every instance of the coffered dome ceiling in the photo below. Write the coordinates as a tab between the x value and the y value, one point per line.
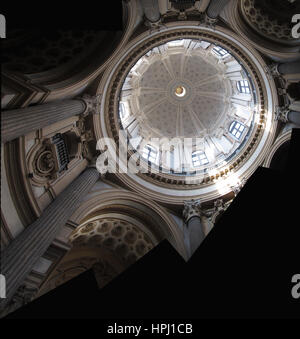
188	83
271	18
180	94
186	89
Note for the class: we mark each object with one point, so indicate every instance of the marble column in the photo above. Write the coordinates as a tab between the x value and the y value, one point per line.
151	10
192	217
18	122
215	8
289	68
18	259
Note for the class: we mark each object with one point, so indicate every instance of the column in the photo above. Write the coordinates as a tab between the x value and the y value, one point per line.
192	218
215	8
289	68
294	117
18	122
151	10
20	256
202	5
293	90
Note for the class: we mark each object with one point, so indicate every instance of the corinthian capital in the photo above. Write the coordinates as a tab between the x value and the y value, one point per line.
281	114
238	186
92	103
191	209
272	69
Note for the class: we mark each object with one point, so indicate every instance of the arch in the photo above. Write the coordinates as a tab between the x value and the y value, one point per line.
278	50
280	158
72	78
280	141
160	223
79	261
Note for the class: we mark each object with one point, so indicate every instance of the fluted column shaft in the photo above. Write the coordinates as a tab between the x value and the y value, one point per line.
23	252
289	68
22	121
151	10
215	8
196	232
18	122
192	218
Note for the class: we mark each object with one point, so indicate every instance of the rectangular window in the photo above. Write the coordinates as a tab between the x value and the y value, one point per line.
236	129
243	86
220	52
199	158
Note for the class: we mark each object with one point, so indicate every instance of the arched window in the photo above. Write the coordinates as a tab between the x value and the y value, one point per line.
243	86
150	153
199	158
236	129
220	52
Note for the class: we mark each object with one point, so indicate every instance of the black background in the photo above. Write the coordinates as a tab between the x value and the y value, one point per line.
54	14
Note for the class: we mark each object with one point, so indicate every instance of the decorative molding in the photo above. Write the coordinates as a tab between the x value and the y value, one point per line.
237	187
211	22
119	236
92	103
272	69
220	206
45	162
155	26
281	114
